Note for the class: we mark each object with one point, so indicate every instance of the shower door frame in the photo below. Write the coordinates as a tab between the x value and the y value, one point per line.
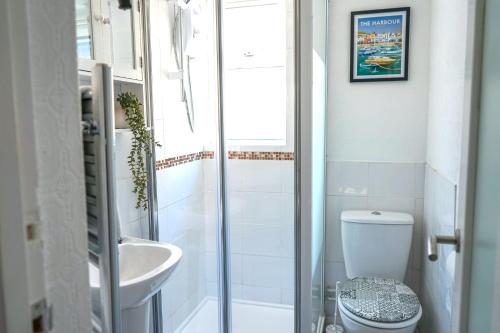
302	12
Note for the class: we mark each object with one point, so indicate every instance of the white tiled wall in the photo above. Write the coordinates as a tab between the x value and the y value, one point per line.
182	215
133	221
261	222
181	218
372	186
438	277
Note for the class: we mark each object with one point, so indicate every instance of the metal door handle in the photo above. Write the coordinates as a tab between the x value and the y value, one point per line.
433	241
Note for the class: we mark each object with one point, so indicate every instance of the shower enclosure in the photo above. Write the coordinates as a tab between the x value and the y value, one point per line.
241	189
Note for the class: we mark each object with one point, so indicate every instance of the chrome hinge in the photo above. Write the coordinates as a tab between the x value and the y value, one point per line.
41	316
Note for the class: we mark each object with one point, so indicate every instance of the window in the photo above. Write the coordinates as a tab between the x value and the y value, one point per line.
255	72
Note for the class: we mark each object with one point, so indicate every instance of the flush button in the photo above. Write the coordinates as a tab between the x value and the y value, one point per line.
376	213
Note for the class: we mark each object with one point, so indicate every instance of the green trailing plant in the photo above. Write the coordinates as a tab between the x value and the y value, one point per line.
142	142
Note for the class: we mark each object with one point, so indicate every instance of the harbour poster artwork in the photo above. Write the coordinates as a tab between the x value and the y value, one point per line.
379	45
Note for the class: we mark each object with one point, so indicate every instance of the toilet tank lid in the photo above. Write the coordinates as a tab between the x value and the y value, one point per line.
376	217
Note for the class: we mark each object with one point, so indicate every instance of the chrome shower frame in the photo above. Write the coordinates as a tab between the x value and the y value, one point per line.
302	241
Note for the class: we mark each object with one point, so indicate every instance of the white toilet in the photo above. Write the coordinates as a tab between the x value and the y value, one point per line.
376	248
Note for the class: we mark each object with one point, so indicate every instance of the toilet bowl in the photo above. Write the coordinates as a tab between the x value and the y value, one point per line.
376	247
374	305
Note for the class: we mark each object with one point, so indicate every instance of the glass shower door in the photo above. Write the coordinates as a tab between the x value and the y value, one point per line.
318	156
485	280
259	152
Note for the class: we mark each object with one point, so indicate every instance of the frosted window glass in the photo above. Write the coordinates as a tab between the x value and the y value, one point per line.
255	74
255	104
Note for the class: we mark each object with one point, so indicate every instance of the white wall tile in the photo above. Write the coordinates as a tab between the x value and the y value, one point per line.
132	229
335	206
263	271
392	179
334	271
287	296
236	202
236	241
123	145
419	180
234	175
263	240
437	278
126	201
262	208
236	268
347	178
261	176
262	294
395	204
288	209
287	176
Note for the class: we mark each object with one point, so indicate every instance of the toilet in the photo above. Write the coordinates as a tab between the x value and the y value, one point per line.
376	247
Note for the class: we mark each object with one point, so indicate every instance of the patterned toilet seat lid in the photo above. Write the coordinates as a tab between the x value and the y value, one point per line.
377	299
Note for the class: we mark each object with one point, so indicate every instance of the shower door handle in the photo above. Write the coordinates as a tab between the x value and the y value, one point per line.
433	241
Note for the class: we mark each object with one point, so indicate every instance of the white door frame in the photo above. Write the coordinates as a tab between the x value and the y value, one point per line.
18	172
467	178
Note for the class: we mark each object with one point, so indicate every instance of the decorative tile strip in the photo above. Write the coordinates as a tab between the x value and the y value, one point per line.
261	155
183	159
233	155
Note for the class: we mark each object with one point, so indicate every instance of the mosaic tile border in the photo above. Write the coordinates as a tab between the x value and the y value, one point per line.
183	159
261	155
232	155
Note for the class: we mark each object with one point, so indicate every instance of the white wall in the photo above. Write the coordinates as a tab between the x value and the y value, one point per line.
383	121
170	120
446	85
446	98
182	219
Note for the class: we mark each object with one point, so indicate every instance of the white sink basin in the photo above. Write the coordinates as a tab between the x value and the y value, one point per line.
144	268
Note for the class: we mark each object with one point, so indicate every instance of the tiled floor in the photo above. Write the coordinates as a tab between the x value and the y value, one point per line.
247	318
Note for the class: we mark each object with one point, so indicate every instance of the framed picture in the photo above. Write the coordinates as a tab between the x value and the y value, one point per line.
379	45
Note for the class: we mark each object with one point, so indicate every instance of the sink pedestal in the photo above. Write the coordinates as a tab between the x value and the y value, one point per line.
136	319
145	266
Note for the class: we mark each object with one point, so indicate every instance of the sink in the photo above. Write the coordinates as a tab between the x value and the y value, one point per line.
144	268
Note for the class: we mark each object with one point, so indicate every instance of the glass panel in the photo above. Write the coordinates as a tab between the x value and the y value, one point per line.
485	283
186	165
83	29
258	106
318	155
122	26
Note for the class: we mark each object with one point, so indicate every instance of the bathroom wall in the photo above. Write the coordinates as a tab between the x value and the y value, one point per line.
382	121
446	91
134	222
182	217
376	136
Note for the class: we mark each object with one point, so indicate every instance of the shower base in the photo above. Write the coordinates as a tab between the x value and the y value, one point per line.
248	317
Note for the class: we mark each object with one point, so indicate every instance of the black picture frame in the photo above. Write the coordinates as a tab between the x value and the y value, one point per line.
376	63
